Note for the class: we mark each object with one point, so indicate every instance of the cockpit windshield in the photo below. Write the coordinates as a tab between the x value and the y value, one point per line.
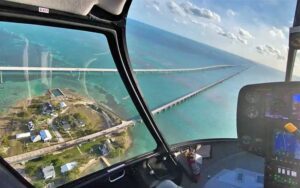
201	54
65	112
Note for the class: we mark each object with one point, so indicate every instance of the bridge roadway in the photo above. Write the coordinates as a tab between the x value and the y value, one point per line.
186	97
74	69
40	152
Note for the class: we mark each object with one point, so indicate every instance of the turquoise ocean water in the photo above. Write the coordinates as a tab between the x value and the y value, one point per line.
210	114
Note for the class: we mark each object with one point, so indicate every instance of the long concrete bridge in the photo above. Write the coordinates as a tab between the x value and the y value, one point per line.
75	69
192	94
125	124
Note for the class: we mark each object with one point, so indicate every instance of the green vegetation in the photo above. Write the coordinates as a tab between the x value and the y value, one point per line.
15	147
92	146
74	116
116	152
34	146
93	119
39	184
4	141
73	174
24	114
80	116
88	150
122	139
33	167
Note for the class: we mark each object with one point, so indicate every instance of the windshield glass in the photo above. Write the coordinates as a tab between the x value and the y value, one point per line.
201	54
65	111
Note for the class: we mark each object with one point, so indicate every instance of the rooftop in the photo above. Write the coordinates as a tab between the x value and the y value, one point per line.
62	105
48	172
67	167
45	135
35	138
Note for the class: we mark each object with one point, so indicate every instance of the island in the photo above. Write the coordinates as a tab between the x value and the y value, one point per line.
60	136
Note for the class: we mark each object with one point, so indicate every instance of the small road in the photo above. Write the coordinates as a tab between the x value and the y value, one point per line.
54	127
57	134
105	161
40	152
107	119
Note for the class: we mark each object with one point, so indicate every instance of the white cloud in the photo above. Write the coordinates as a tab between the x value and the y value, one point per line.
245	34
215	28
242	40
286	29
175	8
153	4
285	48
260	49
202	24
194	10
230	12
187	8
269	50
156	7
228	35
180	21
231	36
275	32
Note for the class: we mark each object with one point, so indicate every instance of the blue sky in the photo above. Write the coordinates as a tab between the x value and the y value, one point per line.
255	29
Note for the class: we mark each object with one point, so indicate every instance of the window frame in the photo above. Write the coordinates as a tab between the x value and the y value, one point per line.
114	29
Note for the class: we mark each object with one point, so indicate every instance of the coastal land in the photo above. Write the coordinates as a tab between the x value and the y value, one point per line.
61	129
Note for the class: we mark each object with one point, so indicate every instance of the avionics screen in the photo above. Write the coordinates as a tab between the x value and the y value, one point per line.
280	105
296	106
286	144
276	105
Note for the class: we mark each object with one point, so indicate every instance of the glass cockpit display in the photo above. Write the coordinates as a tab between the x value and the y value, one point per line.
285	106
296	106
286	145
277	106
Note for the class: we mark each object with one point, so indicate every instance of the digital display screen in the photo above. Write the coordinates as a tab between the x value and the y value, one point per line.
286	144
296	98
296	106
282	106
277	107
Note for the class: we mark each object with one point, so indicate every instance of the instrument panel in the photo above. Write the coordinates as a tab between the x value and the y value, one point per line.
263	111
265	106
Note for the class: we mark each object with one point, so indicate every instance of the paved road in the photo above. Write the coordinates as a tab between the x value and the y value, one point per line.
56	133
54	127
107	119
40	152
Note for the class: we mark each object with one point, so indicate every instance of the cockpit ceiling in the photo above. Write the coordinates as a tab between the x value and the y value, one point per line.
80	7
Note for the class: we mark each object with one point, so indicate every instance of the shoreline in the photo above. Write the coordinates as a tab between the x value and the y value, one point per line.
88	168
84	170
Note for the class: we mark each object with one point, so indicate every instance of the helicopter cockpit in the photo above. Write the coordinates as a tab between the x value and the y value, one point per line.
159	94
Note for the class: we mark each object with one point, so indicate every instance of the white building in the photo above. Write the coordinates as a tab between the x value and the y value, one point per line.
67	167
79	123
36	138
45	135
48	172
30	126
23	135
62	105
